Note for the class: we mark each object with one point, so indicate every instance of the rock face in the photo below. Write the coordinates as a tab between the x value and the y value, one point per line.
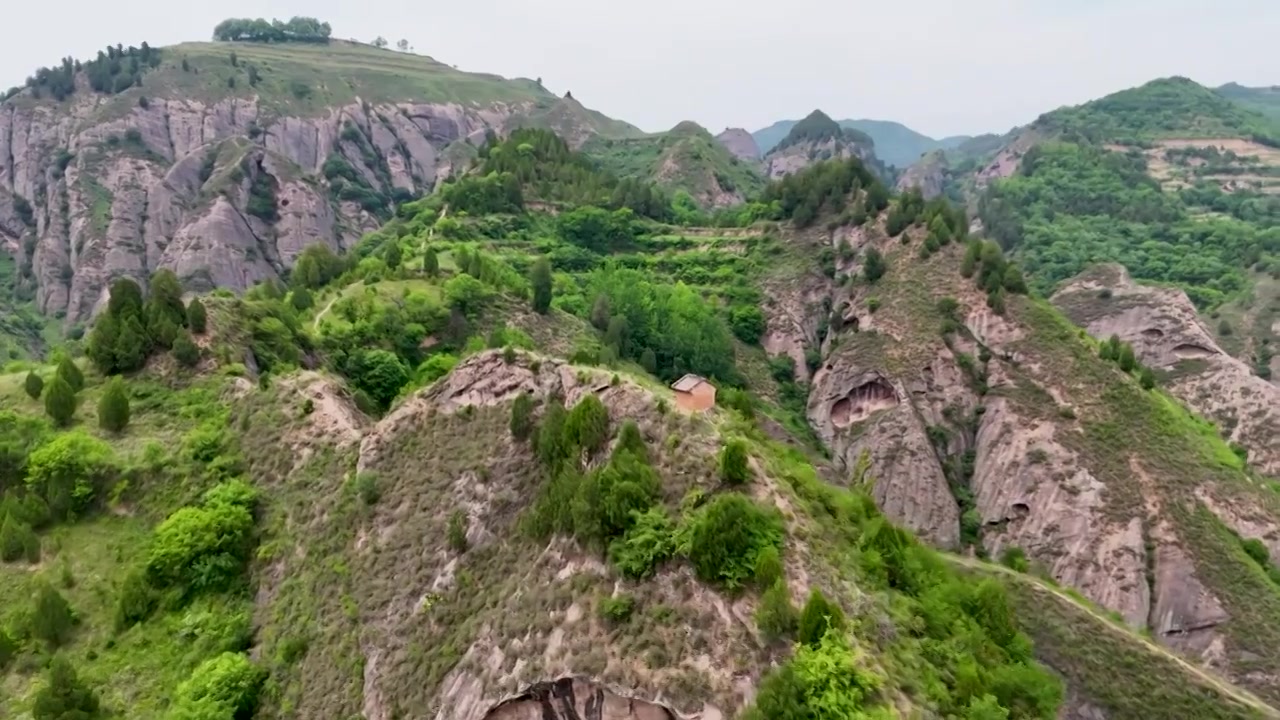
791	158
1167	335
576	699
168	185
928	174
740	143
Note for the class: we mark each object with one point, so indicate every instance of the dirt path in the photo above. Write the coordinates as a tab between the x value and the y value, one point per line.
315	324
1244	697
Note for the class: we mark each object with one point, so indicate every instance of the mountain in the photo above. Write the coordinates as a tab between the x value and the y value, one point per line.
483	499
223	161
1265	100
895	143
684	158
814	139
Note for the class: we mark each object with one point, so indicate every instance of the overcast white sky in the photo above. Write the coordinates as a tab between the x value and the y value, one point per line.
941	66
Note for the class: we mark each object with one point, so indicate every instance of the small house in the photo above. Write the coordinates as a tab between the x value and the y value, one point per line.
694	393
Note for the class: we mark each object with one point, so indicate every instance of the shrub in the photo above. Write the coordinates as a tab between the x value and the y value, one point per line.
18	541
136	602
63	696
540	279
587	425
522	417
380	374
366	487
649	542
68	371
60	402
874	266
819	616
223	687
776	617
113	407
8	650
197	318
630	440
768	567
33	385
726	536
610	498
1147	379
457	532
747	323
204	548
185	351
649	361
618	610
734	463
1015	558
69	471
51	618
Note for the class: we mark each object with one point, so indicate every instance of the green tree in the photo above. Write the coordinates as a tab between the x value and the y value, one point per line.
430	262
69	470
818	616
380	374
132	346
197	317
630	440
63	695
587	426
113	406
540	279
223	688
60	402
873	265
1147	378
301	299
734	463
33	385
52	619
467	294
185	350
776	617
727	535
649	361
1127	360
71	374
136	601
164	298
392	254
18	541
600	313
522	416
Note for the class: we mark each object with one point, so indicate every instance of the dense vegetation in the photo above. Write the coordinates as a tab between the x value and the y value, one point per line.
817	127
297	29
114	70
1070	206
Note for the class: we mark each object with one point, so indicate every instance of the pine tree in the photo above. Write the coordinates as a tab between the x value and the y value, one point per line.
1126	358
600	313
301	299
392	254
63	696
18	541
819	614
33	385
185	351
60	402
131	346
113	407
649	361
734	466
541	281
431	263
1147	378
52	619
196	317
522	417
874	266
103	340
68	371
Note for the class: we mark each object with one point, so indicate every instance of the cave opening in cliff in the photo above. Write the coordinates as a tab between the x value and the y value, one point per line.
862	402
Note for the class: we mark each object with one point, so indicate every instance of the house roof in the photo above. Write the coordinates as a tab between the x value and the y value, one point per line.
688	383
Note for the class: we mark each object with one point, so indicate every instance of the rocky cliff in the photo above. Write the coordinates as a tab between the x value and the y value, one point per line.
1007	431
1164	329
228	190
740	143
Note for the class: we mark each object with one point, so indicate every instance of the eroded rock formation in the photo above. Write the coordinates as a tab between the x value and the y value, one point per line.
576	699
740	143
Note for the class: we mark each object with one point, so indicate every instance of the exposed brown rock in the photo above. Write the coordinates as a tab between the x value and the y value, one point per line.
1166	333
928	174
740	143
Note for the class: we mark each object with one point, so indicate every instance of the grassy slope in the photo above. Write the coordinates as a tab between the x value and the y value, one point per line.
1265	100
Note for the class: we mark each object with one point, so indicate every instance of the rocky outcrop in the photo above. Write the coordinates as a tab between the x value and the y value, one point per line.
576	699
1167	335
791	158
868	421
127	193
929	175
740	143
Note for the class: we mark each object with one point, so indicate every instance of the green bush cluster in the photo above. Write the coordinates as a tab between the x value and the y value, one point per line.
129	331
224	687
204	548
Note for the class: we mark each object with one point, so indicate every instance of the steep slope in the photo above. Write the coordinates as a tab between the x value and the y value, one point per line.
684	158
1002	429
740	143
895	143
1162	326
225	160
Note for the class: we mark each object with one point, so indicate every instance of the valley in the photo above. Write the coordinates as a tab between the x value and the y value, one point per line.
336	382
